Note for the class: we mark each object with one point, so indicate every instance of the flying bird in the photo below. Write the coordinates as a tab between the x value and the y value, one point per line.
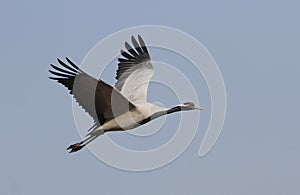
120	107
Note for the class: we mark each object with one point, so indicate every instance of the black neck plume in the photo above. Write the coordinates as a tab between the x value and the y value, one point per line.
174	109
160	113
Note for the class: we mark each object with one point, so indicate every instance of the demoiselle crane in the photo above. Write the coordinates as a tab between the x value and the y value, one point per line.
117	108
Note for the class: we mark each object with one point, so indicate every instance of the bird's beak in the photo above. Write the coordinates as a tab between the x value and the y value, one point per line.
200	108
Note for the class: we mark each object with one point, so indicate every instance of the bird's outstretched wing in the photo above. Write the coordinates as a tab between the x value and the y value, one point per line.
100	100
134	71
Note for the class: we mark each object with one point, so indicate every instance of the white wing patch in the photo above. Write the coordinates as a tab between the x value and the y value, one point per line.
134	72
136	85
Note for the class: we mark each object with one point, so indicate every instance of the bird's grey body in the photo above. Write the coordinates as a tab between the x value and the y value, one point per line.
118	108
129	120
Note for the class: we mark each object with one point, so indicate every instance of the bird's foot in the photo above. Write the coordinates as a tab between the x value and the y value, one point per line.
75	147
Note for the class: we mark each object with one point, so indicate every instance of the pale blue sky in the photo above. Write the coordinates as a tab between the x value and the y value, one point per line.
255	44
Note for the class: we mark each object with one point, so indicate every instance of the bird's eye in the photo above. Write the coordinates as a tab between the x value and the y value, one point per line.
191	104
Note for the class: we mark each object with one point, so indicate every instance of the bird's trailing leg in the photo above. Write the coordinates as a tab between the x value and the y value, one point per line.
77	146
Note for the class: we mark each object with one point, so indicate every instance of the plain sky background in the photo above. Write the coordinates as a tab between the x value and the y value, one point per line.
255	44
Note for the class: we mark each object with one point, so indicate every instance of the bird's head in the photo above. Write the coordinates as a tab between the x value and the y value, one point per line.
190	106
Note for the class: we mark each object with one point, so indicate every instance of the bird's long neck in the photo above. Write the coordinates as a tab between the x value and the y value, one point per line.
174	109
161	113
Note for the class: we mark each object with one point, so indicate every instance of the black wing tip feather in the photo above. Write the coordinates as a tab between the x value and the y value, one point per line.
64	71
73	64
138	53
53	78
143	46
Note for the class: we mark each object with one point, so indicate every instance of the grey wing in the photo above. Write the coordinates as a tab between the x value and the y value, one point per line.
94	96
134	71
